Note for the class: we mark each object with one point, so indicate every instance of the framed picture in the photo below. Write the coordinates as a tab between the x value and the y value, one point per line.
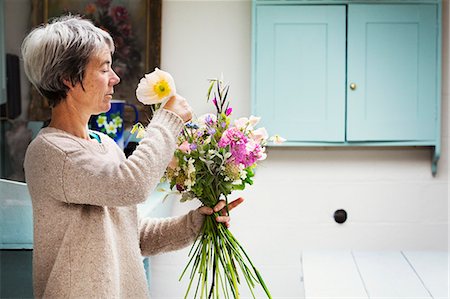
135	26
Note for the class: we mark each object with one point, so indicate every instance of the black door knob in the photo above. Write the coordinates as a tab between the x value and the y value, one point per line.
340	216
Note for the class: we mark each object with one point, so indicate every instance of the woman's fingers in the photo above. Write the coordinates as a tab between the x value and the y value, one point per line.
235	203
220	207
222	204
206	210
223	219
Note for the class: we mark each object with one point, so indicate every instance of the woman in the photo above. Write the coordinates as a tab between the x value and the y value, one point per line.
88	240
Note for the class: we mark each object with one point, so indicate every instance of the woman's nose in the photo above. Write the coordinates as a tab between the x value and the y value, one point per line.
114	79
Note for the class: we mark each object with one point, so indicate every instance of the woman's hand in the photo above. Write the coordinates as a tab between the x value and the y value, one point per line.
220	208
178	105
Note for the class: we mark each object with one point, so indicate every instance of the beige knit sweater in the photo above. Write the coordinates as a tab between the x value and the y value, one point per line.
88	240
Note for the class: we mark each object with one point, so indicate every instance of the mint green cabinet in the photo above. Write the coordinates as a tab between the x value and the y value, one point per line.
392	62
348	73
300	78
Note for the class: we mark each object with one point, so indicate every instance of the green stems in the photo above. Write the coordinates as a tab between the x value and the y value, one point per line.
215	258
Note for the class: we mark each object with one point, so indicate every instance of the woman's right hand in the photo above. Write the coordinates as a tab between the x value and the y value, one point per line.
178	105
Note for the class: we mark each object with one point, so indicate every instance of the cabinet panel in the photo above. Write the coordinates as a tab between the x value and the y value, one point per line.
392	60
300	71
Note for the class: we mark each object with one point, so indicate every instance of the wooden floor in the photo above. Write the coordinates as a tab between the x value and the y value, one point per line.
375	274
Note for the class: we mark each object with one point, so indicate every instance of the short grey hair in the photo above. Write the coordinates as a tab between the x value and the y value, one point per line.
60	51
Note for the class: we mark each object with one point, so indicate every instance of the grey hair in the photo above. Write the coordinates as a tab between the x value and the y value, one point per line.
59	51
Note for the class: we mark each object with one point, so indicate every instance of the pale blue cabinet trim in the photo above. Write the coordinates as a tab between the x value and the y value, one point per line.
300	71
349	72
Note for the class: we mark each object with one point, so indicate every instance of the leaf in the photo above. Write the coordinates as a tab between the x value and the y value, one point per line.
211	85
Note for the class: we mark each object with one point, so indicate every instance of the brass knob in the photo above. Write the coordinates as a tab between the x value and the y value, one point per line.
352	86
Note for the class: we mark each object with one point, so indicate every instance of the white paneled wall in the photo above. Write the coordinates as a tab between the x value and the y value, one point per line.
392	200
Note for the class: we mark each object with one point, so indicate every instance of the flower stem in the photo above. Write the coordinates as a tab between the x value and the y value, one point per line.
215	258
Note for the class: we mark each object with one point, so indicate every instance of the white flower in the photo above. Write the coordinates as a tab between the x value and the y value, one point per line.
263	154
140	129
118	121
254	120
101	120
207	140
140	134
277	139
191	167
241	123
111	128
246	123
259	135
155	88
242	173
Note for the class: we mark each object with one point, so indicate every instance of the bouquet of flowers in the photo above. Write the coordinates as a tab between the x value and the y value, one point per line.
214	157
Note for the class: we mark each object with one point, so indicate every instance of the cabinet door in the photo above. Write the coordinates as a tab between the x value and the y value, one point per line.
300	71
392	61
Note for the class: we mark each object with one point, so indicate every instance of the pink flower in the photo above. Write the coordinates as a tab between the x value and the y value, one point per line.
253	154
185	147
119	13
243	150
237	141
232	136
228	111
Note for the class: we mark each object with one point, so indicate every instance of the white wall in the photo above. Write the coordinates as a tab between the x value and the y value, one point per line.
392	200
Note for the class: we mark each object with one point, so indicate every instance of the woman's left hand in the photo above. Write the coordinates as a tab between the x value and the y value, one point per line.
220	208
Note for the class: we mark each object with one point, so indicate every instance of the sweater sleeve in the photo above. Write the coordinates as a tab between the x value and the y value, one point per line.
128	181
168	234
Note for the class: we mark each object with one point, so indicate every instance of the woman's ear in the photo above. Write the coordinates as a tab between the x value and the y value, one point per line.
68	83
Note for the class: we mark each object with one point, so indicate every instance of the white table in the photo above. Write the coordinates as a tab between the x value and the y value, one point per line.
375	274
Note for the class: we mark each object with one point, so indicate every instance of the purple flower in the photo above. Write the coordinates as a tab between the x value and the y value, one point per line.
209	120
193	146
228	111
223	124
215	102
212	131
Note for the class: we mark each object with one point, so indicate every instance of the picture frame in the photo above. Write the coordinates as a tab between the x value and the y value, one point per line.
135	26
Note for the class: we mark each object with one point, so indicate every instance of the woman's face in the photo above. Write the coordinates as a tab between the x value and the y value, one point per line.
98	82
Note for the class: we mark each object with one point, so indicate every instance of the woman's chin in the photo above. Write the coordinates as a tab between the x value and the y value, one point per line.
105	107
